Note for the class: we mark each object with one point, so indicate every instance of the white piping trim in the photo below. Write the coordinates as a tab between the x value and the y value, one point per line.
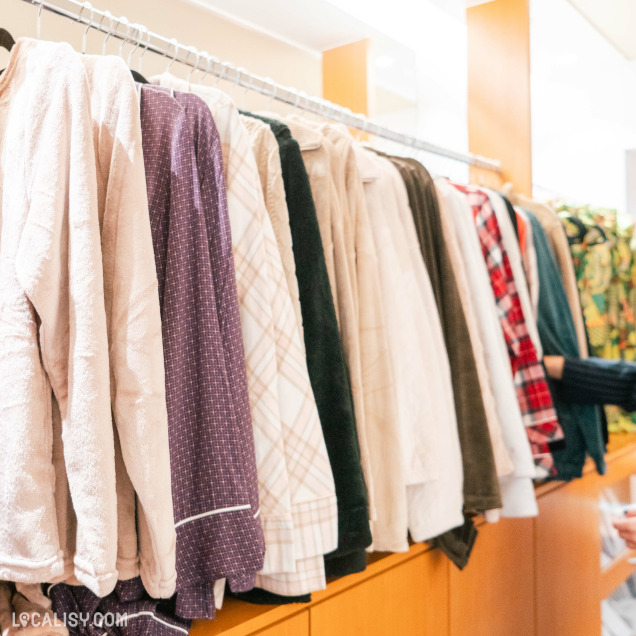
154	617
209	513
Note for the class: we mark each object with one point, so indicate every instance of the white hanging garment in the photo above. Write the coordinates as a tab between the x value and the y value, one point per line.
426	425
517	490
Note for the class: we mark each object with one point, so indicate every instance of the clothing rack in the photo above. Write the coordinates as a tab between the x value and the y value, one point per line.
139	36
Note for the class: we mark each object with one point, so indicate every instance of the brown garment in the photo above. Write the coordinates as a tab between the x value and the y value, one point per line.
481	487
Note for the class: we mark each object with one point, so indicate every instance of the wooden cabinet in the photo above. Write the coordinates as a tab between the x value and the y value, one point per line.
411	598
527	577
493	595
568	548
297	625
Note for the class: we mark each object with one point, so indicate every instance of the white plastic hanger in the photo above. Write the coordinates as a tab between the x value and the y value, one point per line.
239	74
109	15
244	96
89	6
174	43
124	19
141	57
221	75
38	27
137	38
272	97
194	50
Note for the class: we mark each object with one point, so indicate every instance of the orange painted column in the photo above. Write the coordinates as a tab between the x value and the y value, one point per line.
346	76
499	116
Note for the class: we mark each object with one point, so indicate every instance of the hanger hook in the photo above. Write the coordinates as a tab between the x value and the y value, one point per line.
136	36
188	50
248	87
272	97
145	31
192	49
203	55
295	105
174	43
224	68
102	19
79	15
208	62
124	20
39	22
89	6
239	74
362	129
111	21
196	64
320	112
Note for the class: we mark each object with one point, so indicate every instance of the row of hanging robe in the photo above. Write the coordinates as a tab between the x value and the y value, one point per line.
240	352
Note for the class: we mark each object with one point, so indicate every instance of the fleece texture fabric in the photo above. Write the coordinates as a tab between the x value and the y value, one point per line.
52	323
137	379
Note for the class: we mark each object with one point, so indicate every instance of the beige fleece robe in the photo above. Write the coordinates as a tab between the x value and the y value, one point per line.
52	322
137	382
426	426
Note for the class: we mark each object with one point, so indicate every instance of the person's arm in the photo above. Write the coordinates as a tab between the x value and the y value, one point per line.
627	528
594	381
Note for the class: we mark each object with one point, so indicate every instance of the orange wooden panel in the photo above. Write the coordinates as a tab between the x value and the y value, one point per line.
296	626
499	116
568	564
345	76
410	599
616	574
493	595
238	618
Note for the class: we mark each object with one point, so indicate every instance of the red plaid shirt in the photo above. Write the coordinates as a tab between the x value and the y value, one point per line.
537	409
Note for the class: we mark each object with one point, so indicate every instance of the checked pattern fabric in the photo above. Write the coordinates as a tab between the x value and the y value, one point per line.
535	401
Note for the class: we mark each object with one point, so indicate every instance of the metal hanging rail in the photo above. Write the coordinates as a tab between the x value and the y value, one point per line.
140	36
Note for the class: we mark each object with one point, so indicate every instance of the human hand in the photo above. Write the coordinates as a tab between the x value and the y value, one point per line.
627	528
554	366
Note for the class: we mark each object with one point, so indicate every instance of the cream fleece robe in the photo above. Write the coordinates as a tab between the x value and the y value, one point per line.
137	382
52	322
430	451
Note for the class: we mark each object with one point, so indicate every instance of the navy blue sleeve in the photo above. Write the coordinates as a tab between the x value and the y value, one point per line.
598	381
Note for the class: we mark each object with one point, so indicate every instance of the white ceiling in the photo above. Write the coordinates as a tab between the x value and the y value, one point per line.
614	19
317	25
314	25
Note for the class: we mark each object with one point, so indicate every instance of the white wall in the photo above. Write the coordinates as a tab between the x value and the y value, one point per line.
583	108
189	23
